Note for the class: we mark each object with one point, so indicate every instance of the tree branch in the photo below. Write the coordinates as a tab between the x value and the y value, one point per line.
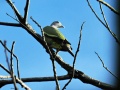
4	45
3	82
26	10
108	28
35	79
6	56
15	10
114	36
51	56
78	74
10	24
12	69
75	56
106	67
110	7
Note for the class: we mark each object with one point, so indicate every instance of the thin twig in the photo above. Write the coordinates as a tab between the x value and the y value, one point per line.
15	10
106	67
95	13
17	79
23	25
103	23
12	70
52	59
108	28
13	18
26	10
18	71
110	7
7	60
73	72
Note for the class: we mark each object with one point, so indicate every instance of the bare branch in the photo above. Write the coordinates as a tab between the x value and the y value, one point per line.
12	70
75	57
4	77
7	60
11	81
26	10
51	56
78	74
106	67
18	72
95	13
10	24
35	79
103	23
15	10
108	28
110	7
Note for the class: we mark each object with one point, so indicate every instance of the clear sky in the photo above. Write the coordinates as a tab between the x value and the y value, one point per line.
33	59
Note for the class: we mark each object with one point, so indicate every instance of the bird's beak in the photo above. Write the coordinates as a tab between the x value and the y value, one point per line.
61	27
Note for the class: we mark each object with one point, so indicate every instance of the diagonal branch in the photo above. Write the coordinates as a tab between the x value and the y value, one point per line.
6	56
51	56
114	36
26	10
15	10
18	72
106	67
95	13
2	83
75	57
108	28
110	7
11	65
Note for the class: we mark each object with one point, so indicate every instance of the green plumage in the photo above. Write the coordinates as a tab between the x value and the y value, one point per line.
52	32
55	39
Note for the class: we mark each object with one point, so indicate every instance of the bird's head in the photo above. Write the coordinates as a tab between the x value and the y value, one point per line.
57	24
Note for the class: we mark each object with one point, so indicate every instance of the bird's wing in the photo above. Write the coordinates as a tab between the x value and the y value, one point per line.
53	33
67	42
50	35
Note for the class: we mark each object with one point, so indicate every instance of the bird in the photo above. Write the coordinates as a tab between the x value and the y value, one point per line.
55	39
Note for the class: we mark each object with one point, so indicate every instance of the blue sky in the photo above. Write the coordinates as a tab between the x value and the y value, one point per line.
34	61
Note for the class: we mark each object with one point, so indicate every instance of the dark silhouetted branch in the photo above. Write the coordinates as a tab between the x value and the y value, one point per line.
26	10
15	10
108	5
3	82
106	67
12	69
114	36
6	56
108	28
77	73
10	24
51	56
4	45
75	56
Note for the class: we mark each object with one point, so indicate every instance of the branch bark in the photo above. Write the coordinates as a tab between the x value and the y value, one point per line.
110	7
17	80
10	24
106	25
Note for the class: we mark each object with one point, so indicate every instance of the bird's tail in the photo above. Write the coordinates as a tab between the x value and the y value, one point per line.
69	49
71	52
